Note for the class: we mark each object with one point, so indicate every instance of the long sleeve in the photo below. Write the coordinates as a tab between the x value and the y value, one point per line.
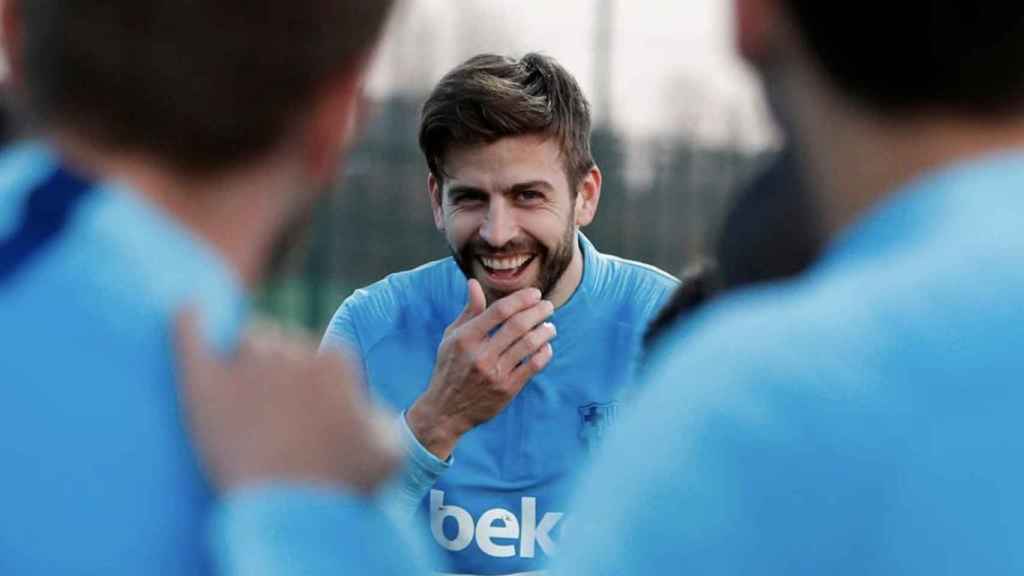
293	530
403	494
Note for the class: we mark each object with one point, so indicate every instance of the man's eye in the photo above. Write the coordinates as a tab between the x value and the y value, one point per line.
529	195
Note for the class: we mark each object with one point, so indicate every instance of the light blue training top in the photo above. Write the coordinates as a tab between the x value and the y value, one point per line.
499	506
861	420
98	475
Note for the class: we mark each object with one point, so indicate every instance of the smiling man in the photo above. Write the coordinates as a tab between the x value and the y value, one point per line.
467	346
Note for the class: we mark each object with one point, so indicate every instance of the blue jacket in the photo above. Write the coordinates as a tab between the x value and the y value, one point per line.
498	507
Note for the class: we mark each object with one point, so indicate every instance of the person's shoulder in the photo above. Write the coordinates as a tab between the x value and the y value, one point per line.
640	287
421	294
850	318
119	268
886	292
85	264
638	273
66	316
417	286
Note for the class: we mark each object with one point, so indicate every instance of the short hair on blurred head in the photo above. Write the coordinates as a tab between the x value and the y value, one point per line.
699	283
773	229
956	56
772	232
203	85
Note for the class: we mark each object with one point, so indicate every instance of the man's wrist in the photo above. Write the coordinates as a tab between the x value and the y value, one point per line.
433	433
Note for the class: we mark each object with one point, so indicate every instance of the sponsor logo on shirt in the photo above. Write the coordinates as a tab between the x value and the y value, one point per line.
497	532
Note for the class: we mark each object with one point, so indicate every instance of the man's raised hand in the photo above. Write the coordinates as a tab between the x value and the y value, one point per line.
486	357
277	412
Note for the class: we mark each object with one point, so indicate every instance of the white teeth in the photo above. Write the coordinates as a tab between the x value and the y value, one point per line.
507	263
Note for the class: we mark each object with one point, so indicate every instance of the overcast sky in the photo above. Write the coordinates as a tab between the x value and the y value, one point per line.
672	65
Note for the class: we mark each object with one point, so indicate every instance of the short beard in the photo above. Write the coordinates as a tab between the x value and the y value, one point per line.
553	263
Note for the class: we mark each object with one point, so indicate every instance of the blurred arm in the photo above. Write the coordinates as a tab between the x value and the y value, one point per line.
421	469
285	530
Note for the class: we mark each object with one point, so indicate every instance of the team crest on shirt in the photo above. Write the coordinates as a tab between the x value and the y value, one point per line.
595	421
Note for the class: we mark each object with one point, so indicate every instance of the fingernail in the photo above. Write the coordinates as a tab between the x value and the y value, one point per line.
554	330
535	294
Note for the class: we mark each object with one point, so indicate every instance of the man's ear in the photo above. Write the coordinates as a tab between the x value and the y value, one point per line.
756	23
588	195
334	122
436	202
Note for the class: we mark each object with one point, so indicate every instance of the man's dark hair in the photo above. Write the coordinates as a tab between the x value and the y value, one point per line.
773	229
772	232
698	284
491	97
201	85
954	55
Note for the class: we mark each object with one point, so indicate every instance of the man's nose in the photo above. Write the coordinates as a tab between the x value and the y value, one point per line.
499	226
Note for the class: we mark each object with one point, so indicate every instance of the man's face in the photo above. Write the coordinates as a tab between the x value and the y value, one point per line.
508	214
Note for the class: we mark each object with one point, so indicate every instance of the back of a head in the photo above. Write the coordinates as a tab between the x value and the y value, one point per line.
203	85
773	230
490	97
699	283
917	55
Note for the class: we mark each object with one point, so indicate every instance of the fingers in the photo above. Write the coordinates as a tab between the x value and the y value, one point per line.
370	429
387	453
500	311
278	411
195	361
476	303
529	344
338	375
522	373
200	386
518	326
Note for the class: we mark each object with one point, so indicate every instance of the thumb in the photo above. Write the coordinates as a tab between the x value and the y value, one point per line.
476	303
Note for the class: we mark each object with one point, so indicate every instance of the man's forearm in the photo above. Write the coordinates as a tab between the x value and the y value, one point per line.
309	531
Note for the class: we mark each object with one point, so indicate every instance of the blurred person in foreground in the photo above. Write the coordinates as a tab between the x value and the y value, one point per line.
175	142
499	413
855	420
771	233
